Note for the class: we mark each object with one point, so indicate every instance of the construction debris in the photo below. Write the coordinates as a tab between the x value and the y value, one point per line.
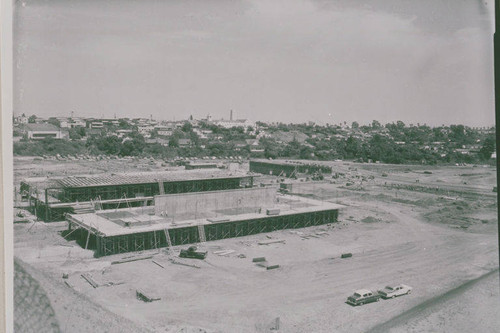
183	264
90	280
309	236
141	295
272	242
111	283
259	259
158	264
130	259
272	267
276	326
224	252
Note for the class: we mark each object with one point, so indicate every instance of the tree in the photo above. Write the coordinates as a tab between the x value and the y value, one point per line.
110	145
488	148
74	134
32	119
173	142
376	124
355	125
352	147
123	124
187	127
54	122
306	152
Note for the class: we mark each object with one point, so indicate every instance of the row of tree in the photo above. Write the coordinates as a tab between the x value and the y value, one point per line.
392	143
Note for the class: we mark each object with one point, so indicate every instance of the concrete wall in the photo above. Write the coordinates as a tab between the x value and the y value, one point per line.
176	204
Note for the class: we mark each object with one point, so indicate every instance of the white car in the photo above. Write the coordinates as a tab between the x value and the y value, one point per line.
395	290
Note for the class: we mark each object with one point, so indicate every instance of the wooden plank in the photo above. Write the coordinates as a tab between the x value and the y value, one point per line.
158	264
130	259
272	242
224	252
183	264
90	280
259	259
88	237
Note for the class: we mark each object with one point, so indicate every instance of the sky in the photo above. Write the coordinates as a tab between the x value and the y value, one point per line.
426	61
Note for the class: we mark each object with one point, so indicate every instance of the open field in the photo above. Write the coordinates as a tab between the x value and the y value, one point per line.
433	228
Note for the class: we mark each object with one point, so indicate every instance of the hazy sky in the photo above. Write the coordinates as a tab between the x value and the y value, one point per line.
425	61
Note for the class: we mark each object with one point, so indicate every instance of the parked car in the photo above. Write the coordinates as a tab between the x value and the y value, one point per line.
363	296
395	290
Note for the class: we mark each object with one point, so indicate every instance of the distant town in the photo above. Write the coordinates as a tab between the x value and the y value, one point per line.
74	137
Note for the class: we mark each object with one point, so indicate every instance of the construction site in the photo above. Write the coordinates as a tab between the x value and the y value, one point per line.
51	198
275	253
179	219
288	169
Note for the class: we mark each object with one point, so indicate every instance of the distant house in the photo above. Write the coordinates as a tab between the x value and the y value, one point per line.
184	142
43	130
245	123
257	149
252	142
93	131
240	144
163	142
163	130
76	122
145	130
111	122
22	119
122	132
95	124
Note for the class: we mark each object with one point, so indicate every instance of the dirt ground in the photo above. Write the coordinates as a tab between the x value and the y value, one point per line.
433	228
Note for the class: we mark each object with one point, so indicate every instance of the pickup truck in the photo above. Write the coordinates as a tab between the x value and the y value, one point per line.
363	296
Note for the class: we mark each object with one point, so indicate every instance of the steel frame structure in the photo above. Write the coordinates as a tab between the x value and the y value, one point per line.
109	245
120	196
286	169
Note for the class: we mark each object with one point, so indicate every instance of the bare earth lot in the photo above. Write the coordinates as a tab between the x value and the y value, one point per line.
435	235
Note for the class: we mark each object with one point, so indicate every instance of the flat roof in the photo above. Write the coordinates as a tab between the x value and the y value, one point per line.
43	127
102	223
145	178
288	162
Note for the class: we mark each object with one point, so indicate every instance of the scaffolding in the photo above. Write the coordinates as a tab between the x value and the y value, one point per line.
287	169
107	245
55	199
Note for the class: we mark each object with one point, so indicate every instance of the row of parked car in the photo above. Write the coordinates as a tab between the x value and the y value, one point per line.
364	296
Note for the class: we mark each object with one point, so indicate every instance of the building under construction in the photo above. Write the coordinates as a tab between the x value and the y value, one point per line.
287	168
178	219
51	199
